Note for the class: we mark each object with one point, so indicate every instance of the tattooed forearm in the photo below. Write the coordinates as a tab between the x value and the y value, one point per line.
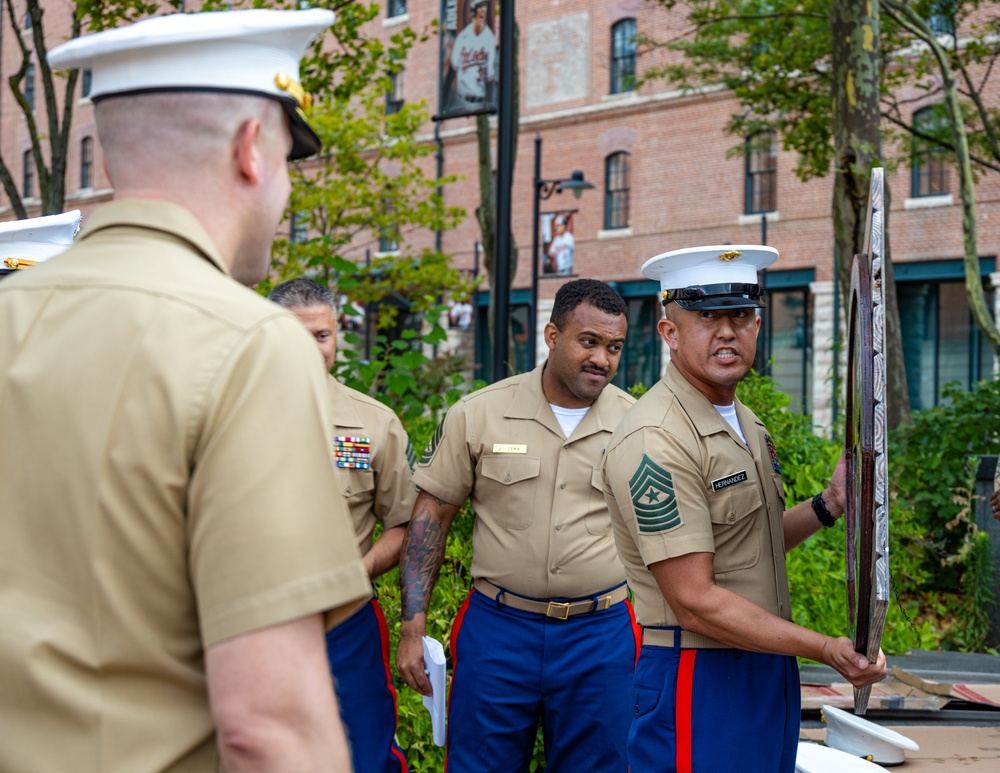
423	553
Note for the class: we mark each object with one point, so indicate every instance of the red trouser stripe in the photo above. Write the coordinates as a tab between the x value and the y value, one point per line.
456	626
685	696
383	630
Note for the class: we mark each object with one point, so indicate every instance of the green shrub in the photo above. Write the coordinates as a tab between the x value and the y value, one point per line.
817	568
933	467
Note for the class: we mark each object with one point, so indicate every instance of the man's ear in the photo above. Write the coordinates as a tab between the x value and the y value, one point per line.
247	151
550	334
668	332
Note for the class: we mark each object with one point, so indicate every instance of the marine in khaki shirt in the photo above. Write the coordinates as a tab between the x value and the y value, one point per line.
694	485
547	633
373	462
172	529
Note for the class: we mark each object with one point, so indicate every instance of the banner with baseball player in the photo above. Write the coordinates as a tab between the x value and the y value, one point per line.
558	242
469	54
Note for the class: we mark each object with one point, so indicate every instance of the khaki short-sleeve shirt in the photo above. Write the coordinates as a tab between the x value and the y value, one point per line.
373	459
679	480
167	485
542	527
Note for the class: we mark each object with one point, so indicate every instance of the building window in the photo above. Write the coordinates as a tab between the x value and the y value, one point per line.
29	85
388	237
930	167
616	190
761	174
520	303
28	182
623	49
298	231
640	362
85	80
784	348
941	17
394	100
396	8
87	162
941	342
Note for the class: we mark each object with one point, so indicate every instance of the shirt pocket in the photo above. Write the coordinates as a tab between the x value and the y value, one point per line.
598	520
355	482
513	486
735	529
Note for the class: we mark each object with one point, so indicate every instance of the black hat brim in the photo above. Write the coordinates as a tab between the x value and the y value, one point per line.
305	141
718	297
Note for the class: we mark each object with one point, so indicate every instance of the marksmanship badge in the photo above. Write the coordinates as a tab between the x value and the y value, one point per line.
653	498
354	452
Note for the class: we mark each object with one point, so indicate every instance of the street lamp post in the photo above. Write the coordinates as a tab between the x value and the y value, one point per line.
544	190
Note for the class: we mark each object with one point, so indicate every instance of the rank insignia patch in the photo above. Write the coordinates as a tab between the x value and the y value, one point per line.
653	498
774	454
411	456
433	444
355	452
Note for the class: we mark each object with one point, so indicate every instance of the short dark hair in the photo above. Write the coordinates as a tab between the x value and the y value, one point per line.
598	294
302	292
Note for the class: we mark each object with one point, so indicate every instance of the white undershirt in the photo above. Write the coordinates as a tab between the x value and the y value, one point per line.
728	412
569	418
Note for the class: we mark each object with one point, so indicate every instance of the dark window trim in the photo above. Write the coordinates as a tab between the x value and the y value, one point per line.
617	200
928	163
395	8
939	270
760	181
623	55
87	162
394	99
28	178
29	85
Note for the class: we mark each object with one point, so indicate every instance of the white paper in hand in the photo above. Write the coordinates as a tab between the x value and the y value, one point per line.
434	662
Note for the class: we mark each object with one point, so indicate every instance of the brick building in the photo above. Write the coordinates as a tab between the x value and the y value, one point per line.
664	179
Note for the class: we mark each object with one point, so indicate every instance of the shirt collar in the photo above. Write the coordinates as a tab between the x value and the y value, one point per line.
342	410
530	402
156	215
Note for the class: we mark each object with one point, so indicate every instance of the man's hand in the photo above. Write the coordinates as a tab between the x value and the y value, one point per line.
835	495
839	654
995	503
410	658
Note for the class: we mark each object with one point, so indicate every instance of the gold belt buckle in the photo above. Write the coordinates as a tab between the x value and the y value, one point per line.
558	609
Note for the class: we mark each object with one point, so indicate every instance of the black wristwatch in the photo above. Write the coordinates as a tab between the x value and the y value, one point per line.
819	507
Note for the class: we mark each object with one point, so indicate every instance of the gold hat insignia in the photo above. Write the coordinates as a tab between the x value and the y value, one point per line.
731	255
294	89
18	262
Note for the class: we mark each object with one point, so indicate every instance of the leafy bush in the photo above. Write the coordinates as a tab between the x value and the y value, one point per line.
933	472
816	569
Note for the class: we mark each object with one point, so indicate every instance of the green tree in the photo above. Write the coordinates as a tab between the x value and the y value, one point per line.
49	122
813	71
368	185
966	113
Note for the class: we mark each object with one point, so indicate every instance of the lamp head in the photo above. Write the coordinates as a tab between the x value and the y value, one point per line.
576	183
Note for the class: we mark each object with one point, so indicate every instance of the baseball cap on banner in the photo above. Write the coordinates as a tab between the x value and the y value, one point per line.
254	52
714	277
24	243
